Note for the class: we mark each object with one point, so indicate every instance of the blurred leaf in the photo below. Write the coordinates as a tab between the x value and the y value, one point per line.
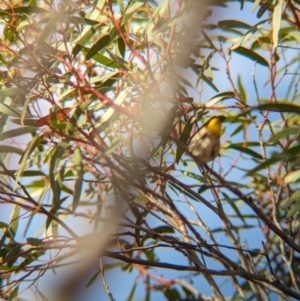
276	19
24	10
295	208
8	110
220	96
250	32
265	5
184	137
11	256
233	24
52	25
263	165
255	5
10	149
13	296
93	279
33	144
16	132
163	229
99	45
34	241
205	66
233	204
133	6
287	202
284	134
131	293
243	149
172	294
86	35
292	177
15	220
59	152
251	55
78	172
102	59
10	92
122	47
241	90
160	10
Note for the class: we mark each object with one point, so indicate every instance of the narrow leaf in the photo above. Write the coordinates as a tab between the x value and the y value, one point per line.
184	137
276	19
251	55
33	144
99	45
16	132
241	90
78	172
34	241
220	96
264	7
15	220
55	160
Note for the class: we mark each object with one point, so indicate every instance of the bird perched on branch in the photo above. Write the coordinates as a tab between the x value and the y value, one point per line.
205	143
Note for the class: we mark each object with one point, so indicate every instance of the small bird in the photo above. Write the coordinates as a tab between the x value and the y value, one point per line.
205	143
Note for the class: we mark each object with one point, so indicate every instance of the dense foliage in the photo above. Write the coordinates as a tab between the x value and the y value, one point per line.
98	101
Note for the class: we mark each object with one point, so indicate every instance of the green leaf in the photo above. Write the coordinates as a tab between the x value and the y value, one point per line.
12	254
133	7
78	172
205	66
284	134
8	110
10	149
58	154
220	96
78	20
15	220
132	291
86	35
264	7
99	45
13	296
279	107
233	203
33	144
34	241
103	42
241	89
295	208
252	31
184	137
292	177
233	24
263	165
114	144
93	279
251	55
28	10
16	132
245	150
255	5
163	229
121	47
295	196
160	10
102	59
11	92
